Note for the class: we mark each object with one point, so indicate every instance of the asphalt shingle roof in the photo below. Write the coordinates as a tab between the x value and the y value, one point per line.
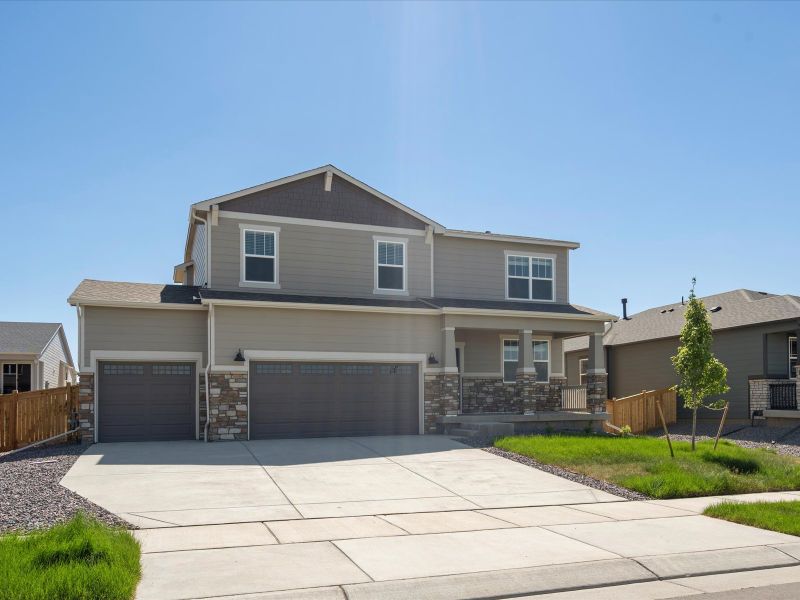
92	290
26	338
738	308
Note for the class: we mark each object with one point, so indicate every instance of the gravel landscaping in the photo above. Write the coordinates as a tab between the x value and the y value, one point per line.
783	440
31	496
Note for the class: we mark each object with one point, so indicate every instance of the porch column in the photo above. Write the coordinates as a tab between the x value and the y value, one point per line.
596	376
449	350
526	372
558	377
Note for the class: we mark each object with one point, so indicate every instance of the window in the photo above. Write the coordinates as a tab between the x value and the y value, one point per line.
260	253
583	368
172	369
390	266
792	356
529	278
541	360
16	377
274	369
510	360
316	369
356	370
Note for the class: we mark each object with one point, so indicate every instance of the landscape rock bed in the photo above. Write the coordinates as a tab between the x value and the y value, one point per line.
598	484
31	496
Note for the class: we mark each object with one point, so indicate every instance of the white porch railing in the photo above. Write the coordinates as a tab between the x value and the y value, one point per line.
573	397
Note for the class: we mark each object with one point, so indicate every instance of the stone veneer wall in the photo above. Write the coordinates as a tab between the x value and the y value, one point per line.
227	406
553	397
596	392
201	398
489	395
759	393
441	398
86	407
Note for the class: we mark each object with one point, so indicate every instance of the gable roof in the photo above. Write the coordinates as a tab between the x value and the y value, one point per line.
738	308
26	338
206	204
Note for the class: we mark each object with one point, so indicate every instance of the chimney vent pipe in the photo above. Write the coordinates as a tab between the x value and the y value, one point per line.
625	309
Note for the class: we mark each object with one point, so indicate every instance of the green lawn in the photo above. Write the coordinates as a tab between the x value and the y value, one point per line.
643	464
777	516
79	560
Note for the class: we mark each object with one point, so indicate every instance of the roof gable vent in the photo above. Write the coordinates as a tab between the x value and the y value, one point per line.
714	309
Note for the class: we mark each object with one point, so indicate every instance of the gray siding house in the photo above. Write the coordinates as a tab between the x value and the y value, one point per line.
755	335
34	356
315	305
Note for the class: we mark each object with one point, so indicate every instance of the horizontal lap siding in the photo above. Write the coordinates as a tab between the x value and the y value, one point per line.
322	331
572	366
647	365
466	268
318	260
140	329
52	358
481	350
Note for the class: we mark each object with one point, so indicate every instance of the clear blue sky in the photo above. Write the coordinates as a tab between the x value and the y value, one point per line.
663	137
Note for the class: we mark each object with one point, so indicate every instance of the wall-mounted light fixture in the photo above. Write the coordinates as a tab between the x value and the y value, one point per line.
239	356
432	359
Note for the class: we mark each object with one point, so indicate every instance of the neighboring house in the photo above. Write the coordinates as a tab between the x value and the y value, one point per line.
34	356
315	305
755	335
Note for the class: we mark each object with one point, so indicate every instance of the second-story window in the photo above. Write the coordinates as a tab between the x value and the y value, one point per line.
391	266
260	256
529	277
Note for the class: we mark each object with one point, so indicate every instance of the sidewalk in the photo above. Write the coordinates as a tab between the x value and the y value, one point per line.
654	549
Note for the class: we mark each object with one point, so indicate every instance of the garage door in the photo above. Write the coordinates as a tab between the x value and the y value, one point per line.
140	401
305	399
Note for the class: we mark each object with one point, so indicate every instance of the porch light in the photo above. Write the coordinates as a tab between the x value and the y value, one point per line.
239	356
432	359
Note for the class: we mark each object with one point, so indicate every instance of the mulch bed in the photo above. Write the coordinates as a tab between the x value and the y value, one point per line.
31	496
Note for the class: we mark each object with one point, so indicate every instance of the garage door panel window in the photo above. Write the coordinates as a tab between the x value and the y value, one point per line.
317	369
274	369
260	253
112	369
356	370
172	369
397	370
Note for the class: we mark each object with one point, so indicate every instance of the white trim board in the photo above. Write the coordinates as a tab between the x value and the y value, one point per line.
241	216
96	356
302	355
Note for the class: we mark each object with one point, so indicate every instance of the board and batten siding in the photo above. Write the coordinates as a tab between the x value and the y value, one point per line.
51	360
318	260
254	328
141	329
647	365
468	268
199	249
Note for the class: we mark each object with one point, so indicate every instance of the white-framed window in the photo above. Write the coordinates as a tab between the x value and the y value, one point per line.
583	369
792	356
259	256
541	359
530	277
391	274
510	360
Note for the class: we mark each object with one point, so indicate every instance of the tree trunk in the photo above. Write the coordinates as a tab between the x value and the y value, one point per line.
694	425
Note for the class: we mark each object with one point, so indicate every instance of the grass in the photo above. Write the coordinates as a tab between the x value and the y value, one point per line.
643	464
783	517
82	559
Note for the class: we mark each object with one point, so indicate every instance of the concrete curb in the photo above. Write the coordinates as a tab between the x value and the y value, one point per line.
671	566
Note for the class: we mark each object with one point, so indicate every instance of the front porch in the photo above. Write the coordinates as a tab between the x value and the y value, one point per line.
775	396
513	379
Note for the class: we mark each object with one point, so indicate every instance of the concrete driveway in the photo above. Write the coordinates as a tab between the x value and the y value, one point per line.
378	516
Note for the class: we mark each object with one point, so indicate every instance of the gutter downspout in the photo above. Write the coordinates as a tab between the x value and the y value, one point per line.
208	371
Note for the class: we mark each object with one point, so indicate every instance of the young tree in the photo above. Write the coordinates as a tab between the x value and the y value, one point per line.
701	374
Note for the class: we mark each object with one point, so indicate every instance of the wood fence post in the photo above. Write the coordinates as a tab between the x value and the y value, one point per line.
12	419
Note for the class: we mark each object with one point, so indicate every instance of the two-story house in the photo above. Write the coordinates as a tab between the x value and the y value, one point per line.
315	305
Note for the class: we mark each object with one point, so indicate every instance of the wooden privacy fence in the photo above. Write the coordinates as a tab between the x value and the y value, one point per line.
639	411
30	417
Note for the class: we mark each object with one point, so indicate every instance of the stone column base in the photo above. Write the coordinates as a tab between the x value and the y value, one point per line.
557	383
227	406
532	394
596	392
441	398
86	407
